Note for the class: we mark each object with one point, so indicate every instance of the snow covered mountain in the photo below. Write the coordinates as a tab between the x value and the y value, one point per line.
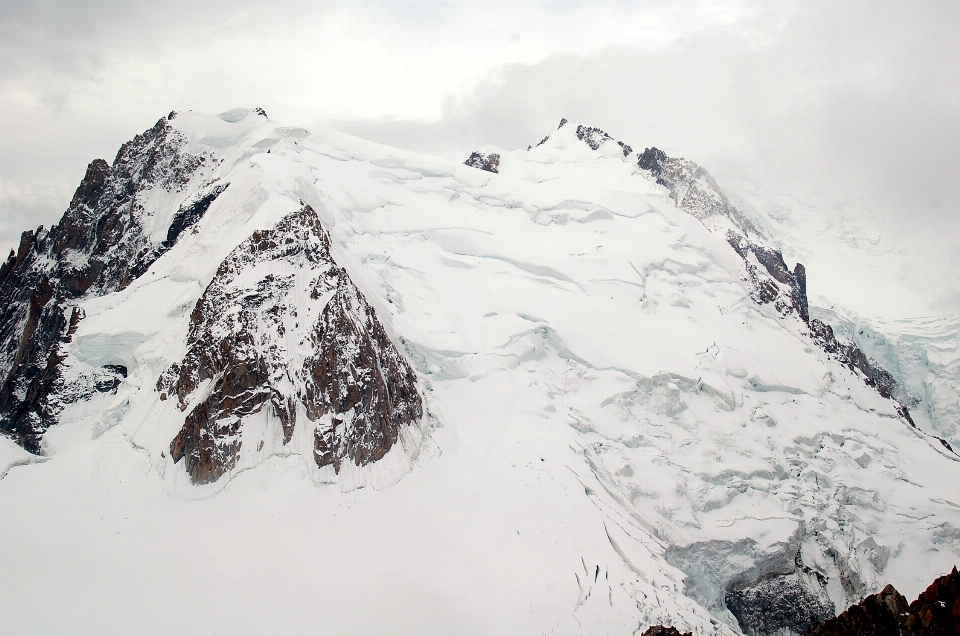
260	379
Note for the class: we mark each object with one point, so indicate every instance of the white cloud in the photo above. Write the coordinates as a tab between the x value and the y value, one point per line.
859	101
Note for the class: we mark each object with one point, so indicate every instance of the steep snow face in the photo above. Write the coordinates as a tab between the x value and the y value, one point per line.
614	433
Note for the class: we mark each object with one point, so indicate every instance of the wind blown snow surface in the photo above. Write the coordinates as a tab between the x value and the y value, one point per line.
615	435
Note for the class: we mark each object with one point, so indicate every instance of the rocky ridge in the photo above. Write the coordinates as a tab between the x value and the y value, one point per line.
692	188
100	245
594	137
253	343
696	192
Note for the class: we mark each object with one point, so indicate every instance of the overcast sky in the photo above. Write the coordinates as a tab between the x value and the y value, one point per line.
845	102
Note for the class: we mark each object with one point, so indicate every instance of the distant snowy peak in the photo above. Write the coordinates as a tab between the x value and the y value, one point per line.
591	136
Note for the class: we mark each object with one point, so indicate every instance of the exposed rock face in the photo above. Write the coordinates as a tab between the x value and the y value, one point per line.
791	293
936	612
189	213
872	373
563	122
99	246
594	137
253	341
695	191
937	609
692	188
101	239
490	162
854	358
660	630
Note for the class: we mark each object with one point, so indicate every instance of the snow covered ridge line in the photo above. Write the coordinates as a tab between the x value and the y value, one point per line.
253	340
696	192
108	237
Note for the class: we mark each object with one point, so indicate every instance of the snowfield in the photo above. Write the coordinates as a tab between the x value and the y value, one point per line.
615	435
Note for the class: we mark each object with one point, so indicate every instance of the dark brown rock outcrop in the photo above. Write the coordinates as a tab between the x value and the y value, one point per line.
791	295
99	246
281	325
856	360
878	614
936	612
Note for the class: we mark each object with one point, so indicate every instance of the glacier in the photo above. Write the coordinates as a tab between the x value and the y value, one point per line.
615	433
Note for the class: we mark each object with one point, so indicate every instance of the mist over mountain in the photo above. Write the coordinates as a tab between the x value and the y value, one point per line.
845	110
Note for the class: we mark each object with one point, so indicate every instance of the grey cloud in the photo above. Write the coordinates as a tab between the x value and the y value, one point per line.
859	104
850	101
857	100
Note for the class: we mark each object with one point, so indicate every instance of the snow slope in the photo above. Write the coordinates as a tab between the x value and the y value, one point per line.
615	435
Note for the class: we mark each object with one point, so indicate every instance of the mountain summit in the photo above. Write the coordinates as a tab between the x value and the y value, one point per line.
260	379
